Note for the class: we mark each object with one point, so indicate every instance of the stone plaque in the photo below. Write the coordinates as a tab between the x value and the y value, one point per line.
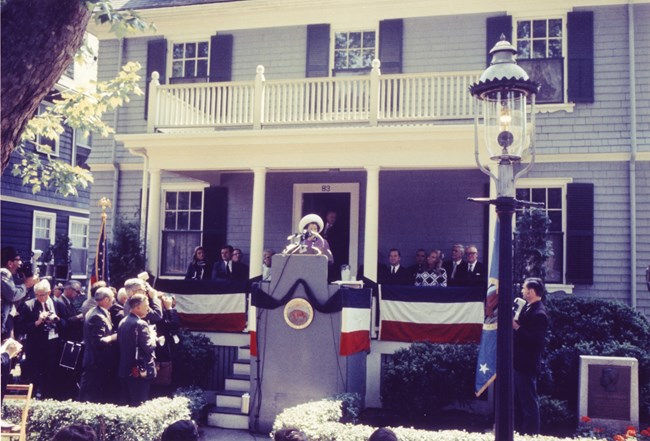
609	392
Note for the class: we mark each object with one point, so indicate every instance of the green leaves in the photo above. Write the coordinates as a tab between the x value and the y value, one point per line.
83	111
122	22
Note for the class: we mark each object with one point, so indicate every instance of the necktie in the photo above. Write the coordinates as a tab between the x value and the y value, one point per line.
471	268
394	270
228	268
453	272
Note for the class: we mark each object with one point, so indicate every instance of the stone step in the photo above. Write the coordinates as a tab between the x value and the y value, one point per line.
244	353
227	418
241	367
229	398
238	382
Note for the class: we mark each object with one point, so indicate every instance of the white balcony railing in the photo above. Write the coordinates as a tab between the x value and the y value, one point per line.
371	99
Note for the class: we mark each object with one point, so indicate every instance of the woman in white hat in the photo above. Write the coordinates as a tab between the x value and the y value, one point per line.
313	243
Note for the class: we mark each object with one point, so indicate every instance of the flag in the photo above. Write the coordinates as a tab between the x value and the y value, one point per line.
212	312
100	267
252	328
486	364
433	314
355	321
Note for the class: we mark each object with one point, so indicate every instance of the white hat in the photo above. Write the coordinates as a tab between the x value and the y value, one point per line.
309	219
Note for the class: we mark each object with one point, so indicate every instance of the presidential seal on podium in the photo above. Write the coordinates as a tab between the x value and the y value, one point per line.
298	313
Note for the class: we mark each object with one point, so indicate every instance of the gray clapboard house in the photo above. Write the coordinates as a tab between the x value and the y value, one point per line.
263	110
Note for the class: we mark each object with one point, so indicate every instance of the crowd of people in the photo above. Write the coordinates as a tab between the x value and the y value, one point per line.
99	348
462	269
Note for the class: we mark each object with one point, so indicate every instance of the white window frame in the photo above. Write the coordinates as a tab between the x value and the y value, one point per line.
43	215
86	222
55	151
177	187
551	107
170	56
76	144
348	30
562	184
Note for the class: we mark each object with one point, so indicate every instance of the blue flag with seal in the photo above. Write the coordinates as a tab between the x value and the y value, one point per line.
486	365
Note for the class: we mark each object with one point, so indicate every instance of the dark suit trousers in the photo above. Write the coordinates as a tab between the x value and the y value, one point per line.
135	391
95	383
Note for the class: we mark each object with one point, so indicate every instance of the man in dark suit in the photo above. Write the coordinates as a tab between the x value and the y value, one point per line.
42	321
476	274
528	343
74	318
454	267
336	237
100	350
137	343
226	269
395	273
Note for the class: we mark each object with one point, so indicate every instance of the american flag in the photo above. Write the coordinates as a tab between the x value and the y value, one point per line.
100	267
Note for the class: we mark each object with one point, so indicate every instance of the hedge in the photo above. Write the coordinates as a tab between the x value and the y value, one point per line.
112	423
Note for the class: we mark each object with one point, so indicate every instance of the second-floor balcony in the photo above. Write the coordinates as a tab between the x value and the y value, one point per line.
372	100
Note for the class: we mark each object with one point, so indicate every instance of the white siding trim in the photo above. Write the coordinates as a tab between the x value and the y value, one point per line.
47	205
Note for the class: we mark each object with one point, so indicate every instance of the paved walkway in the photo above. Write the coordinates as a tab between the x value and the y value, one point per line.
215	434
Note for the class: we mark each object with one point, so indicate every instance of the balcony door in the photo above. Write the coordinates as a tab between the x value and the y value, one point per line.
343	199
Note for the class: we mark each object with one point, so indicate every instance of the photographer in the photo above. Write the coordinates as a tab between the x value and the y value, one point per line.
137	342
14	288
41	320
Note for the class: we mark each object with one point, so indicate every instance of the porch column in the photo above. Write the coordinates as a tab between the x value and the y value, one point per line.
257	222
371	232
153	222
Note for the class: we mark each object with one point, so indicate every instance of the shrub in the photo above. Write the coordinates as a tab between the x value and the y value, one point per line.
197	401
593	327
422	379
555	414
320	421
112	423
125	252
193	360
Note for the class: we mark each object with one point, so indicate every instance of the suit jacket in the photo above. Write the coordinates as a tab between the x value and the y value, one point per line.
74	329
219	271
98	324
529	339
476	277
38	341
134	333
117	314
403	276
459	277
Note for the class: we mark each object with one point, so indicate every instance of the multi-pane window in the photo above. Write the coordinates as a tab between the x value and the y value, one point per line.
43	144
81	150
539	38
553	200
540	51
354	50
182	232
78	234
43	230
190	60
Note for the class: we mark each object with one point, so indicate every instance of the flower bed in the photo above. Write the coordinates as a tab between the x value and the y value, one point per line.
112	423
320	421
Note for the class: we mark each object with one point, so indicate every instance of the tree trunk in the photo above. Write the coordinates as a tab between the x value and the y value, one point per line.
39	40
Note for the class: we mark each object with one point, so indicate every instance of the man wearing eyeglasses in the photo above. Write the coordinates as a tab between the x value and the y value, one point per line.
476	274
14	288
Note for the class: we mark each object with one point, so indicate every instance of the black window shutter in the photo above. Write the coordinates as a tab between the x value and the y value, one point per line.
580	234
390	45
215	215
221	57
580	43
318	51
156	62
495	26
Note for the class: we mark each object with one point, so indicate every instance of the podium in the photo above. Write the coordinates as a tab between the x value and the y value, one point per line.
298	347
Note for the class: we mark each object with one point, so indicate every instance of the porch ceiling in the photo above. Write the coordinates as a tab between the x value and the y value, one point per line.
415	147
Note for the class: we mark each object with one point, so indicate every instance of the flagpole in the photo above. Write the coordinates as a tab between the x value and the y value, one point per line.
99	265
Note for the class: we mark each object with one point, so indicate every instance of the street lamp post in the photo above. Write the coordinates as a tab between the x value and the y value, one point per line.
504	89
